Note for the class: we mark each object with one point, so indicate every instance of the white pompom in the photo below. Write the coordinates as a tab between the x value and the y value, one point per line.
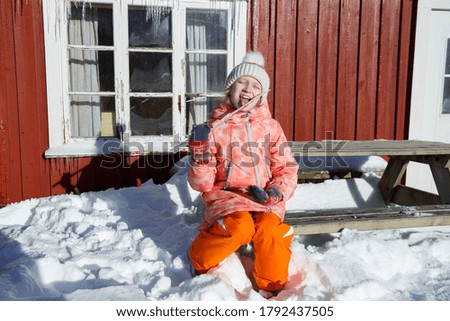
254	57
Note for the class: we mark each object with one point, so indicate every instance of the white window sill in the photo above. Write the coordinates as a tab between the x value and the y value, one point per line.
109	147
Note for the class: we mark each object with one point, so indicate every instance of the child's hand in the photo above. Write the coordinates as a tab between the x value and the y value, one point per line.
200	133
272	196
198	143
275	195
258	194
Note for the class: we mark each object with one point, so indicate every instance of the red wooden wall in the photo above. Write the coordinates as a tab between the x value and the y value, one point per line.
23	110
339	69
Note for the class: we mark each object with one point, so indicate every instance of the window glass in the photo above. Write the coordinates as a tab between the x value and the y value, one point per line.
91	70
150	28
446	100
92	116
446	95
206	73
447	62
90	25
150	72
206	65
206	29
151	116
199	108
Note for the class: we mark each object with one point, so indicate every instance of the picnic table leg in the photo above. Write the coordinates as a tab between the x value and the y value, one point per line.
394	192
391	177
441	177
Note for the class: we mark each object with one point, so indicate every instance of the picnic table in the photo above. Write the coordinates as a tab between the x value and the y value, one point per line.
408	207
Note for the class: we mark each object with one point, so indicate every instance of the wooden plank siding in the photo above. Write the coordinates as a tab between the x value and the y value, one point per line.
23	103
339	69
32	100
367	72
284	64
306	65
327	69
406	45
261	28
387	72
8	181
348	69
352	65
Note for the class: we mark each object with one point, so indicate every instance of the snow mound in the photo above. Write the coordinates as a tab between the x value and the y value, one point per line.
130	244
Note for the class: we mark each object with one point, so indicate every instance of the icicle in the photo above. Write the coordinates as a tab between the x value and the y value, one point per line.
81	3
17	5
68	6
238	8
155	9
83	10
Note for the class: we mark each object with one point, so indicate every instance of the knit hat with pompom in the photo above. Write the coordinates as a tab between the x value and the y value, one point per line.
253	66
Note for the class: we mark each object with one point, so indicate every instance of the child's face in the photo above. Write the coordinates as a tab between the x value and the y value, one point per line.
243	90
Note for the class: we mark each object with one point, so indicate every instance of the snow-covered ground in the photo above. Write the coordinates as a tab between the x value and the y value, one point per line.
130	244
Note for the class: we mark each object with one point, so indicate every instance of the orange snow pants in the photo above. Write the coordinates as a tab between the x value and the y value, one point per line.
271	241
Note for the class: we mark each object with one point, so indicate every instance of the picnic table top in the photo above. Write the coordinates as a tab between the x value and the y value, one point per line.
368	148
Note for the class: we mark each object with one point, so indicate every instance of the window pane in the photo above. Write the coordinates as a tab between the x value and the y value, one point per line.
150	72
206	73
447	63
446	95
446	100
151	116
92	116
206	29
91	70
199	109
90	24
150	27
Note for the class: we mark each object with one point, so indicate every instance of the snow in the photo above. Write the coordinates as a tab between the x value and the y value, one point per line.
130	244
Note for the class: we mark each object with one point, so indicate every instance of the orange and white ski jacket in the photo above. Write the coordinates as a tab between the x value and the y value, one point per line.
248	149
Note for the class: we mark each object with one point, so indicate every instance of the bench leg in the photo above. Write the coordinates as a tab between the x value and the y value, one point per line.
393	192
391	177
441	177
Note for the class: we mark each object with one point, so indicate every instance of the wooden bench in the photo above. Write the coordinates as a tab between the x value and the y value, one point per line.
407	207
331	221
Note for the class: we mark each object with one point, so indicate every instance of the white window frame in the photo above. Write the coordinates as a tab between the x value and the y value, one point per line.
57	71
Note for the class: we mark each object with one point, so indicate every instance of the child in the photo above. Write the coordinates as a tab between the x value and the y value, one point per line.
245	171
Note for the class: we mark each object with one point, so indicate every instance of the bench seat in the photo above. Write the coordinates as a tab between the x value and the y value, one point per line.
392	217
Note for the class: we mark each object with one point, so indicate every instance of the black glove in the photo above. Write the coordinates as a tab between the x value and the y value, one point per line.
272	196
198	143
258	194
275	195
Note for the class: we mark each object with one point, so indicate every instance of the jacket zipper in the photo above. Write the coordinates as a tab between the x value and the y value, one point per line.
229	171
269	174
250	139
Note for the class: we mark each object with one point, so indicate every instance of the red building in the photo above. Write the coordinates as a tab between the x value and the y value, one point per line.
340	69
